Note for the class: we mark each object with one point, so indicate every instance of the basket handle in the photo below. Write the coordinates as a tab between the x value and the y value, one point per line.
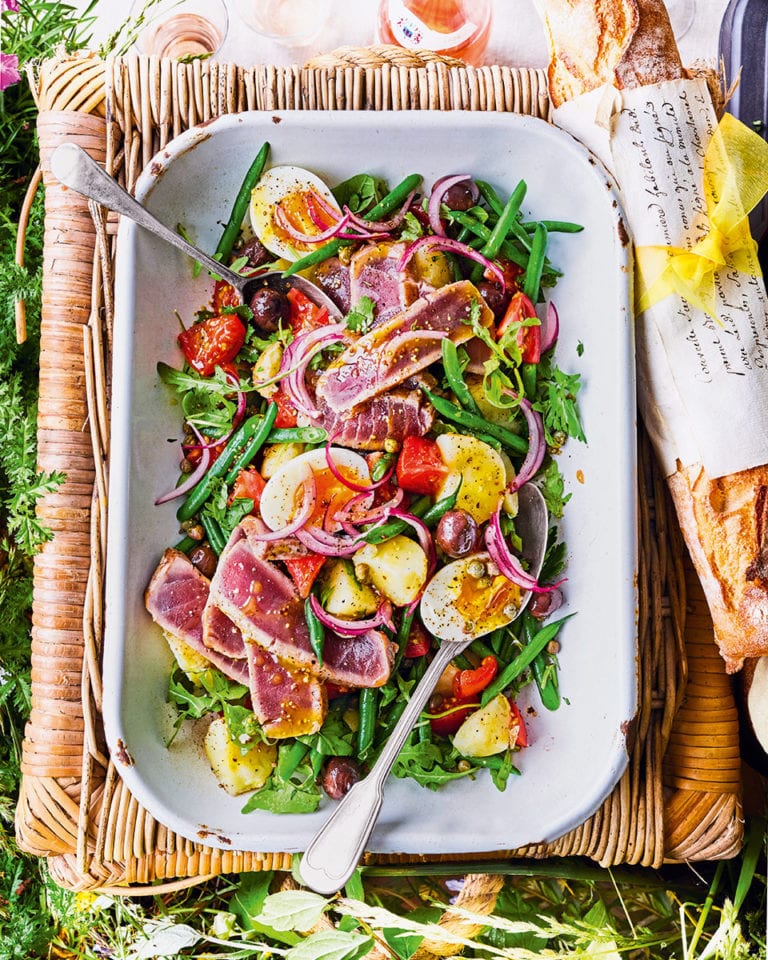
20	307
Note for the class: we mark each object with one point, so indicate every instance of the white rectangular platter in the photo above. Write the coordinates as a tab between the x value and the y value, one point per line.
576	753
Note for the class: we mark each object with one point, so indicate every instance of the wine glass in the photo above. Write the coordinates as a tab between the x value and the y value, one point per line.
180	28
681	16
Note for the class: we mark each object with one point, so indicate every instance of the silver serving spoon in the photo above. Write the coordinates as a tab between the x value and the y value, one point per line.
335	851
72	166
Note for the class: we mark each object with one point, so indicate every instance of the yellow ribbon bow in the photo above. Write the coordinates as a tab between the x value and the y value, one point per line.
735	180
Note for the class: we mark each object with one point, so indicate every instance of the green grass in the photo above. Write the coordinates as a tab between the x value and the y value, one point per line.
569	907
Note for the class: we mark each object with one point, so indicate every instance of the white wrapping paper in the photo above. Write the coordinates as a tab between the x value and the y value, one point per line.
702	383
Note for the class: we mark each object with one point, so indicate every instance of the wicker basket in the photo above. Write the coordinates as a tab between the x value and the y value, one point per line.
673	801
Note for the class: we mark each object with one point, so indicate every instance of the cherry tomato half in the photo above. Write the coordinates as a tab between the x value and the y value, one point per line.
420	468
212	343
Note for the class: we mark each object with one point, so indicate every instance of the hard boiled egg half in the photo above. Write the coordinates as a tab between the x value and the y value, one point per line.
466	600
291	199
282	496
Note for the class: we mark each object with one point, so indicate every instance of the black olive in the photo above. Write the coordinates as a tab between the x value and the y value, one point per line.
269	309
255	251
496	299
339	776
204	558
459	197
457	533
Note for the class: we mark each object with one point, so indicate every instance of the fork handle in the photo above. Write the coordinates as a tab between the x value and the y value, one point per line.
335	851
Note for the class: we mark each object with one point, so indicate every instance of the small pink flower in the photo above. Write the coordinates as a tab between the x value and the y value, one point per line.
9	70
10	5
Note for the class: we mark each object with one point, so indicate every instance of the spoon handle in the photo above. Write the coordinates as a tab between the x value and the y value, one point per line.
335	851
72	166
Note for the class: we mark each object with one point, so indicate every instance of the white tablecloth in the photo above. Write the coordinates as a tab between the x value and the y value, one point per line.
517	37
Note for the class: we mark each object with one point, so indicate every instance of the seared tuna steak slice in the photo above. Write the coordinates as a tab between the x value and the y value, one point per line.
374	273
264	604
393	351
175	598
221	635
395	415
287	702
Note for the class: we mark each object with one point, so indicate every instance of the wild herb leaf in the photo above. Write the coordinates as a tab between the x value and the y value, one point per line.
293	910
276	796
552	486
331	945
360	192
360	318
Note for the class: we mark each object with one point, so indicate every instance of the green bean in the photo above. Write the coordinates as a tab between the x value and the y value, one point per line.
289	757
386	205
382	465
493	762
481	649
213	532
553	226
519	257
544	672
463	662
528	374
297	435
248	431
402	638
490	196
316	631
526	656
425	732
535	266
454	377
253	446
505	221
496	640
475	423
392	527
240	206
368	711
432	516
185	544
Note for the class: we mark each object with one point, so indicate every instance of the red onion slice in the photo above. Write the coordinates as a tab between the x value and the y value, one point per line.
191	481
385	225
305	511
350	628
357	487
318	541
550	328
537	447
296	358
439	190
283	221
453	246
509	565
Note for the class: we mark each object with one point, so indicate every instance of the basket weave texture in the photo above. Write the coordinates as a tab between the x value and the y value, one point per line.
673	802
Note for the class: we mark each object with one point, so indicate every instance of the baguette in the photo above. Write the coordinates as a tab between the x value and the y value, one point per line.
630	43
624	43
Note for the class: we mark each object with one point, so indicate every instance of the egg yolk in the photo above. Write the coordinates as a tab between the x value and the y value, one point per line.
488	603
302	210
331	495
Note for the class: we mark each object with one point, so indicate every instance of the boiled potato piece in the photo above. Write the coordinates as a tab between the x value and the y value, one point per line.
396	568
278	454
433	267
190	661
267	368
490	412
510	504
347	597
484	477
486	731
237	772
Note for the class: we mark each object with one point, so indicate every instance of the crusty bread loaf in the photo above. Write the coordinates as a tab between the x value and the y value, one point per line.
625	43
630	43
725	525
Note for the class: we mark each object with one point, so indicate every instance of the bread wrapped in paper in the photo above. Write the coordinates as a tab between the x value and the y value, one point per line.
625	44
